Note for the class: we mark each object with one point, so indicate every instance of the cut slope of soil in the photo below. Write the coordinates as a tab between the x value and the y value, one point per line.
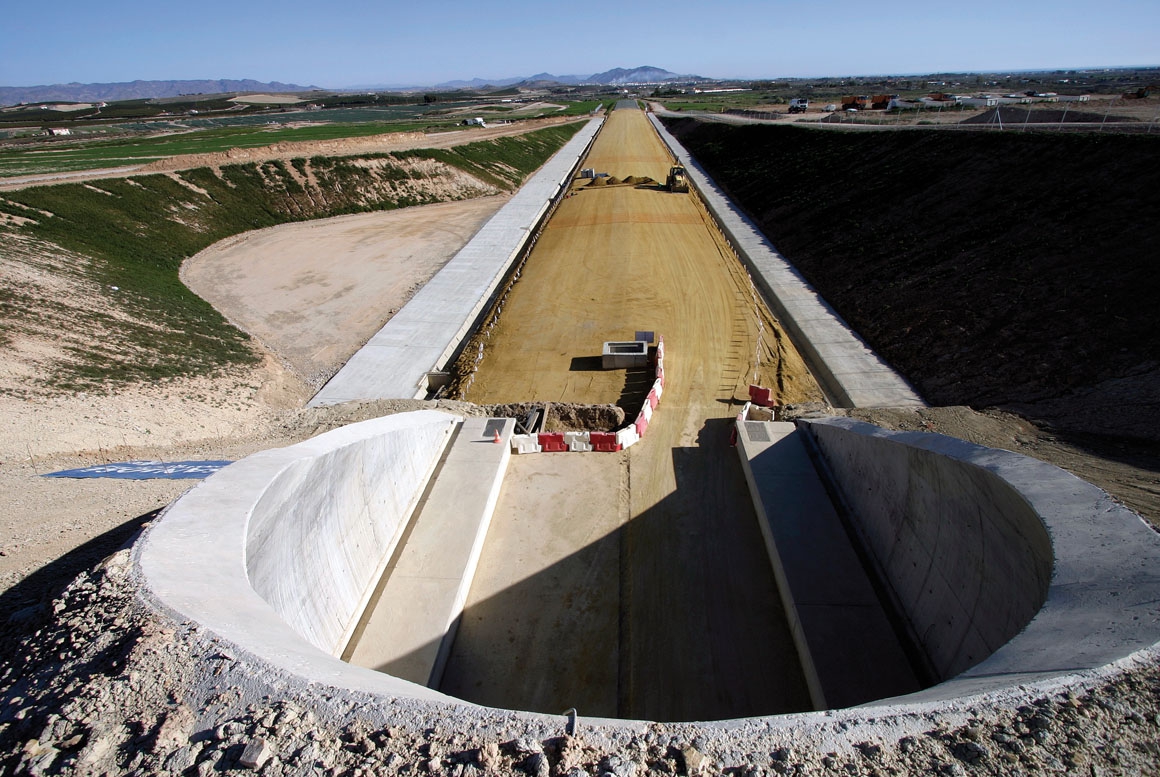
994	270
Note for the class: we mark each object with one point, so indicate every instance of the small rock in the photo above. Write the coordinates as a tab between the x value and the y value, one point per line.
257	752
537	765
489	755
228	730
527	745
694	761
620	767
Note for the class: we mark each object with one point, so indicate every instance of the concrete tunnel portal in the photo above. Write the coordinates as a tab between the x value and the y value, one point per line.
814	566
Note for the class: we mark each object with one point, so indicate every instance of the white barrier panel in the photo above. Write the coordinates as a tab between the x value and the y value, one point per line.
627	436
525	443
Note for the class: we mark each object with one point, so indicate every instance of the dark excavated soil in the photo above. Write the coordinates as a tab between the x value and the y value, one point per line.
1015	271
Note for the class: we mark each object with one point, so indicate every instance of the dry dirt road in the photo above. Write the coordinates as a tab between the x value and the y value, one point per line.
698	631
314	292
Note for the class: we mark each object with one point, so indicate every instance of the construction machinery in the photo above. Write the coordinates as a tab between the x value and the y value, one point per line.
677	181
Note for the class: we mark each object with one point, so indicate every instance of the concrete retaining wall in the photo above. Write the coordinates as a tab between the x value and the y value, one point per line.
1006	568
850	373
426	333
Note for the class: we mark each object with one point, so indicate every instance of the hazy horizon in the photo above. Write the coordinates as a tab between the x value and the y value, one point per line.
353	45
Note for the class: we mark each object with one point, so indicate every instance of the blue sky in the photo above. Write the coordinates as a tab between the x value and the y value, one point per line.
427	41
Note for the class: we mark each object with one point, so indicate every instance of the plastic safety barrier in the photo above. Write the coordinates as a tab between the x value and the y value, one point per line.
525	443
552	442
627	436
760	395
604	441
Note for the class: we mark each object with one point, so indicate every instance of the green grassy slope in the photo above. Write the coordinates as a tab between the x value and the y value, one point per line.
135	233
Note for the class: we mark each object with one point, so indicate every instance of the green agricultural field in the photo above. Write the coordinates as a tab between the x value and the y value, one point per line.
188	135
98	154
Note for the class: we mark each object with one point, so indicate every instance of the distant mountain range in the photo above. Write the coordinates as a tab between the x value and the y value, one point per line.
137	90
645	74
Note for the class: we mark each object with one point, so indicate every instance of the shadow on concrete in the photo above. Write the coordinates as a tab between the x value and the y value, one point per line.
674	616
27	606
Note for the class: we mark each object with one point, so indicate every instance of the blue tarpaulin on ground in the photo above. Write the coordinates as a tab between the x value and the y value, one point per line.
144	470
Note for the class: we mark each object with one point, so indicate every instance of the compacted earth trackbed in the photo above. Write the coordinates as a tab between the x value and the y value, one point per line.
633	584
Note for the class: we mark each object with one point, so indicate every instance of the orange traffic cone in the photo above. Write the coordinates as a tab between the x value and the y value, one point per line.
497	439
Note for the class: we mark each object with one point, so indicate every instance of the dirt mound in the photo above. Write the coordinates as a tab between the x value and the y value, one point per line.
639	180
557	416
598	182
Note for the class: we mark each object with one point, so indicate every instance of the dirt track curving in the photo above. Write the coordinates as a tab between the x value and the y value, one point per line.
701	633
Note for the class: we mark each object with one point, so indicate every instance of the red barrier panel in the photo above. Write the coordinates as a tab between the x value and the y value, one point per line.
641	424
552	443
760	396
653	401
661	376
603	441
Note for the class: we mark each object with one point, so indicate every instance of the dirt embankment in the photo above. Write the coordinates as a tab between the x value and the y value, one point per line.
1013	270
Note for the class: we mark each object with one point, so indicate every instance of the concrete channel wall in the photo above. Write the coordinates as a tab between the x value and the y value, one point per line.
428	331
322	530
850	373
1007	568
279	553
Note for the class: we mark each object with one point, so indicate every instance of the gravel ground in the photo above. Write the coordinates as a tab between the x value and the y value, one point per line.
107	685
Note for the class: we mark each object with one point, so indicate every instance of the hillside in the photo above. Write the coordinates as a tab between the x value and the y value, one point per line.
1001	270
90	292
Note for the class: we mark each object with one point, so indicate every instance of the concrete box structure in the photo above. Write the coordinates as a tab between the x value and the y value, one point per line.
623	355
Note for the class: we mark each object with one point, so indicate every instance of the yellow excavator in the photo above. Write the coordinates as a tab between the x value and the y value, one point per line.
678	181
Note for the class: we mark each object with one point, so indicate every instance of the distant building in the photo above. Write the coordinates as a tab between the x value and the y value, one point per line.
59	131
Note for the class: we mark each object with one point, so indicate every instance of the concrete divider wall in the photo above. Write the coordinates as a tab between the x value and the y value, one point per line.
428	331
1007	569
323	530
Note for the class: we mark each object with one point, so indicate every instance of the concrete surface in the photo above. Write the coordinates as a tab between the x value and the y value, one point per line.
425	334
307	526
966	537
541	627
411	621
851	374
850	653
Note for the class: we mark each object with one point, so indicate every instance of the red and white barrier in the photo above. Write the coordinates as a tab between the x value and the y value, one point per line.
605	442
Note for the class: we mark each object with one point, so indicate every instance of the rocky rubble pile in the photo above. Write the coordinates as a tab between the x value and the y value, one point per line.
109	686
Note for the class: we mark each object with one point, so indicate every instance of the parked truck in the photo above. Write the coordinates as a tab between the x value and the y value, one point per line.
798	105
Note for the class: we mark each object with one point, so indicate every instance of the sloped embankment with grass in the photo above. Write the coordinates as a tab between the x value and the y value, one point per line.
992	269
90	291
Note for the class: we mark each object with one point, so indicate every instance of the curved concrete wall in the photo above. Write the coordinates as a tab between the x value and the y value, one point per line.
284	521
278	553
322	531
1007	569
